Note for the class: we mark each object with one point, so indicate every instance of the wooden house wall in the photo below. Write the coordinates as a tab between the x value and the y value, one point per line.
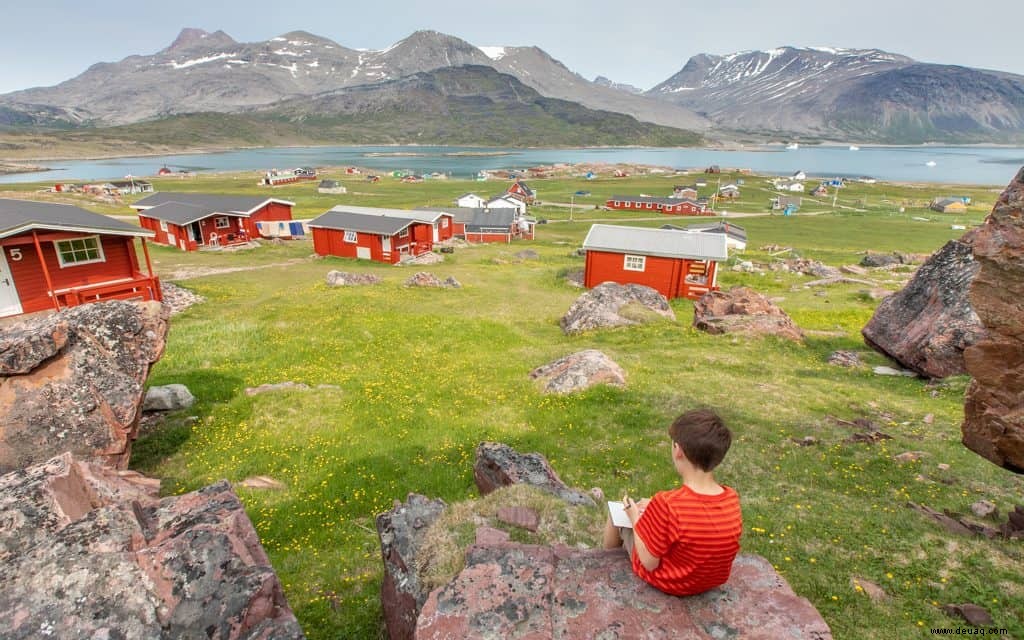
119	262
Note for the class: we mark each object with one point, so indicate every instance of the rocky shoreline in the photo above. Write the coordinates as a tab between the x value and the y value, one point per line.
9	168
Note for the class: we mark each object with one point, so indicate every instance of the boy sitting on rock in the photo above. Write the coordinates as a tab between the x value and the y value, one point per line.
684	541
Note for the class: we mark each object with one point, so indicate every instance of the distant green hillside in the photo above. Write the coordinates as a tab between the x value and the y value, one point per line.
457	106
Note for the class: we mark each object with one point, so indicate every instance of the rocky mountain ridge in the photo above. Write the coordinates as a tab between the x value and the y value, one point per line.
855	94
801	93
211	72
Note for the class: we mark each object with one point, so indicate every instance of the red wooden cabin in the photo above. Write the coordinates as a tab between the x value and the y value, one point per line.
440	219
673	206
675	263
56	256
499	225
370	236
191	221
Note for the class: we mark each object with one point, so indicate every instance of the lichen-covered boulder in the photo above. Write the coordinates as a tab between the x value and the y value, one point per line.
345	279
927	325
401	532
526	591
499	465
90	552
579	371
993	423
613	305
73	381
744	311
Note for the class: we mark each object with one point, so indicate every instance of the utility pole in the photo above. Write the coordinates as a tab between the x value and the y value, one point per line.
572	203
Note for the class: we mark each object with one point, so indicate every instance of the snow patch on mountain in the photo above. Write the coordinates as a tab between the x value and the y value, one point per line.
191	63
494	53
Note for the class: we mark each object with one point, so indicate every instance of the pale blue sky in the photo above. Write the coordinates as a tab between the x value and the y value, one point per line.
641	42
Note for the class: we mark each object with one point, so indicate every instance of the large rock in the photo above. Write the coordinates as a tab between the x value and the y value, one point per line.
612	305
993	424
744	311
401	533
72	381
427	279
927	325
89	552
177	298
169	397
345	279
579	371
524	591
499	465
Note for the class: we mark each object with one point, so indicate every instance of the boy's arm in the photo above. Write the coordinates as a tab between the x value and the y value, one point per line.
649	560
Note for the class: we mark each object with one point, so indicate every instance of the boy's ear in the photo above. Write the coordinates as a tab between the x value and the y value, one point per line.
677	451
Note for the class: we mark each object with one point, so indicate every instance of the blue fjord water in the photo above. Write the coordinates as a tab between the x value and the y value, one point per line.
994	166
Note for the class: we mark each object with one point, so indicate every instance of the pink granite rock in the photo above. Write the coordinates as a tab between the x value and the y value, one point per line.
73	381
579	371
401	534
993	424
927	325
499	465
91	552
532	592
744	311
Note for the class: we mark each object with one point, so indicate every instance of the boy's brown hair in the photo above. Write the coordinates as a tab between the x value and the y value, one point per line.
703	437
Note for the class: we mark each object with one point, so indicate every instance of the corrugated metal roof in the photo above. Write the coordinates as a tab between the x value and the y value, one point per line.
17	216
181	213
219	203
458	214
733	230
419	215
492	219
667	243
364	222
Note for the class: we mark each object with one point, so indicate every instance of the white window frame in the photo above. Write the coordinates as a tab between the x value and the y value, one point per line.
352	237
226	220
444	223
404	233
634	263
60	254
163	225
650	205
618	203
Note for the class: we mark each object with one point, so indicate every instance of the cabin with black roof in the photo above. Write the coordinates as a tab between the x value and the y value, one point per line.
382	235
56	256
191	221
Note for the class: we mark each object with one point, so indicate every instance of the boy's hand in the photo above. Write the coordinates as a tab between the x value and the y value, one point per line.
633	508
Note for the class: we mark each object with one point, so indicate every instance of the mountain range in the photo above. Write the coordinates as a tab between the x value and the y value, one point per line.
437	87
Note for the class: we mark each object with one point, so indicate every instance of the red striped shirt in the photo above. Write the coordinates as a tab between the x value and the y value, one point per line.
696	536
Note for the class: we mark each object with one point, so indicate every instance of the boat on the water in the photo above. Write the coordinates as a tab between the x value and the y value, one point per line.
792	146
854	147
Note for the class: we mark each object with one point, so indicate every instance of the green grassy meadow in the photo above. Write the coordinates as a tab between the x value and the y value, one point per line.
417	378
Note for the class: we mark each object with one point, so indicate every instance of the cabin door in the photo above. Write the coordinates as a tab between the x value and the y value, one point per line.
10	303
436	237
195	233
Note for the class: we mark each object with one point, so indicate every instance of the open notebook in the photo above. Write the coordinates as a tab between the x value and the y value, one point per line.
618	513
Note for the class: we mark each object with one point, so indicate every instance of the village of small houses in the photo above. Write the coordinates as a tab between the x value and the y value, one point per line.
350	337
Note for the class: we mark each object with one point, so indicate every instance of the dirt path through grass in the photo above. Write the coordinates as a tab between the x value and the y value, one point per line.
188	273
